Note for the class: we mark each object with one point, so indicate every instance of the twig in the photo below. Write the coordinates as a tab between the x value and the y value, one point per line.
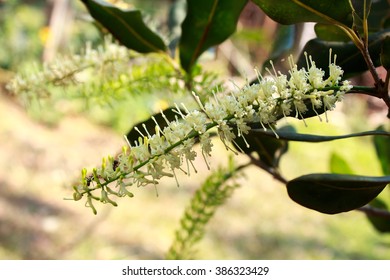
372	211
274	172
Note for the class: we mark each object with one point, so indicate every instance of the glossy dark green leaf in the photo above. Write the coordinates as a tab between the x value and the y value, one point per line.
208	23
295	11
150	124
360	12
380	10
361	8
292	136
382	148
329	32
380	222
349	57
339	165
177	13
127	26
379	15
282	46
284	41
335	193
269	149
385	53
377	12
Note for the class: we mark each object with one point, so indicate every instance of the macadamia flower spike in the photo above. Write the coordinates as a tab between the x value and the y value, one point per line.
232	114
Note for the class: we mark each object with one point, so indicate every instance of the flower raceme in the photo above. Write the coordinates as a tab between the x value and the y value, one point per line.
170	147
108	60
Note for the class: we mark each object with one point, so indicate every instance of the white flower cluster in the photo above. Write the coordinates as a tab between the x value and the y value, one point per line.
65	70
161	153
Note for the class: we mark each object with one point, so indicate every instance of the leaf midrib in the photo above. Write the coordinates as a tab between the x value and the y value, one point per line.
205	33
130	29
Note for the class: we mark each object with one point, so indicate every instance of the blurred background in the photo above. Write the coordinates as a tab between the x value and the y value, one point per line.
43	149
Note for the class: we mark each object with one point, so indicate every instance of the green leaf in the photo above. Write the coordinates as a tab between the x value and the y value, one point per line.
150	124
380	223
281	47
376	11
269	149
208	23
339	165
292	136
349	57
379	16
329	32
385	53
127	26
176	15
295	11
284	41
335	193
382	148
360	12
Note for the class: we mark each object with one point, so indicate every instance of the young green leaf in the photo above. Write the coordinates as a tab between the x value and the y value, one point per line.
382	147
339	165
295	11
378	14
335	193
330	32
282	46
380	223
385	53
176	15
284	41
208	23
360	11
127	26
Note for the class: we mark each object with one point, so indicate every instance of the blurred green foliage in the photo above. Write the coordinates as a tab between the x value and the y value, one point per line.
20	26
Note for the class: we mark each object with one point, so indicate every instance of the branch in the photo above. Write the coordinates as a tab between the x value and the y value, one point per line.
371	91
371	66
379	91
372	211
271	170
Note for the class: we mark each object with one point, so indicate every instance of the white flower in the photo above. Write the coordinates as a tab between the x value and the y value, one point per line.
242	127
225	132
206	144
141	151
315	76
329	102
214	111
197	120
346	86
